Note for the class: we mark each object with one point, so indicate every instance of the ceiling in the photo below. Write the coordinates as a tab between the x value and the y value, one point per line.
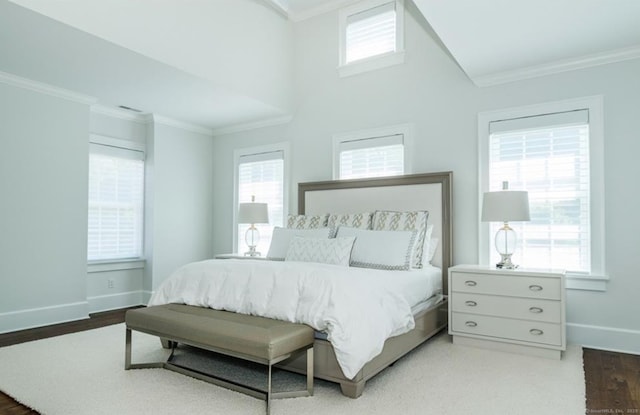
194	63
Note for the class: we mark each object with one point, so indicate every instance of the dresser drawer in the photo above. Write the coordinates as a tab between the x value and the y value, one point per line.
509	285
510	307
497	328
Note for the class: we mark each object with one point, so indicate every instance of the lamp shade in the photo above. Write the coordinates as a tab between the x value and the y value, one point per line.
505	206
253	213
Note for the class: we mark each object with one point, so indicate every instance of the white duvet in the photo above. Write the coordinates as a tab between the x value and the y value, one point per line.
358	308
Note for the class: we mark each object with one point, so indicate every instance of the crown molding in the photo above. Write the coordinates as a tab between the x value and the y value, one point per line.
253	125
119	113
171	122
47	89
280	6
565	65
326	7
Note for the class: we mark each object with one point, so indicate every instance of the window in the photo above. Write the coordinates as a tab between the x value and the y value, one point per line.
554	152
116	188
261	172
372	153
371	36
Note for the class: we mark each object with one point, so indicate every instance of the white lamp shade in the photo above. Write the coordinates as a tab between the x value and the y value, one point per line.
253	213
505	206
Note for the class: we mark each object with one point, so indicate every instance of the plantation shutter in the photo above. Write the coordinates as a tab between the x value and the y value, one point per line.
116	189
262	175
547	155
371	157
371	32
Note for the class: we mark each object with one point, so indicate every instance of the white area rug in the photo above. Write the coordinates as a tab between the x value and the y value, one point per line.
83	374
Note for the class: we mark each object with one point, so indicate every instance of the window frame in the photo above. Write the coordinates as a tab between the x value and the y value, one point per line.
377	61
111	264
596	279
406	130
284	147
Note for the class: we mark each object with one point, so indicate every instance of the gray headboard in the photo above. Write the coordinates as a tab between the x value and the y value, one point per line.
429	191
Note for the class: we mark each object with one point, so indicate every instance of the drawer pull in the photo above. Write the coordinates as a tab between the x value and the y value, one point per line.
470	303
470	283
536	332
535	288
471	324
535	310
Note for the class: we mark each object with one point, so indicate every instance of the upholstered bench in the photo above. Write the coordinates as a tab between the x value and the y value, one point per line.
251	338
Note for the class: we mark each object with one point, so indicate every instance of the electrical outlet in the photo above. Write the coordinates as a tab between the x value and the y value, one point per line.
110	283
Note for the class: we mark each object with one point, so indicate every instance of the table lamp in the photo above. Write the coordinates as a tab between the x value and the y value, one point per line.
505	206
252	213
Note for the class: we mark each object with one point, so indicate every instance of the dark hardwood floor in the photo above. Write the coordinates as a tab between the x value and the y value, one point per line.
612	379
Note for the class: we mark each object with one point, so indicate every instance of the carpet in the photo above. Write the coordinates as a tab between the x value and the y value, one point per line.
83	374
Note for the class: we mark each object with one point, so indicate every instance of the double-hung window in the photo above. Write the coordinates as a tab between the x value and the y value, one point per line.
371	35
371	153
260	174
116	196
553	152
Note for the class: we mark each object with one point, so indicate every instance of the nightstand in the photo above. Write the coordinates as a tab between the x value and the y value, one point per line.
519	310
239	256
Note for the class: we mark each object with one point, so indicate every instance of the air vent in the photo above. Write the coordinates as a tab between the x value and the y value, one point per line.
129	108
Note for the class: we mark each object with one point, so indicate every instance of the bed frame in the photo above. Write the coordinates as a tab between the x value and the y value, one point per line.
432	192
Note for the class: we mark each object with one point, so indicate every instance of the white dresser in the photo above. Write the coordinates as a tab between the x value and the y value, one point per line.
521	310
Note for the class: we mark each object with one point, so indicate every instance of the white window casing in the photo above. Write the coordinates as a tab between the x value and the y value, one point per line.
373	153
371	36
116	200
555	152
261	172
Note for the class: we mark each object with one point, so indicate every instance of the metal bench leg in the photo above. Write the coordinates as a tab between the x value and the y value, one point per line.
310	371
269	392
127	350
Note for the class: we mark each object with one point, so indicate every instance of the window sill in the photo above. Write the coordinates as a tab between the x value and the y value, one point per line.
371	64
115	265
586	282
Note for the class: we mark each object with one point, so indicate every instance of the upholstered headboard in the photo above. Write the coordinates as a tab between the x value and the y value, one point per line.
429	191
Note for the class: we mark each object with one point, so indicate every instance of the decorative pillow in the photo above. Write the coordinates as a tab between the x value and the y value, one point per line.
390	250
426	249
362	220
307	221
336	251
405	221
283	236
431	252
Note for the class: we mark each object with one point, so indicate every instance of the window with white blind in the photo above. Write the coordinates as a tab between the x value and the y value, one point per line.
116	195
371	35
260	173
555	154
372	153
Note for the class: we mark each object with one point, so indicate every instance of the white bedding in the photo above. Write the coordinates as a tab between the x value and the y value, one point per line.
358	308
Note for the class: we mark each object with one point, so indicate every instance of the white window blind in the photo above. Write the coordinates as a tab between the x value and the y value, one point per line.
547	155
261	175
371	157
371	32
116	188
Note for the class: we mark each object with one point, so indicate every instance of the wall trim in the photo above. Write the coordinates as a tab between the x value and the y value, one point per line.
171	122
325	7
140	118
47	89
115	301
43	316
269	122
604	338
582	62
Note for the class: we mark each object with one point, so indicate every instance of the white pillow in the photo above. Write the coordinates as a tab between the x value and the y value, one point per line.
336	251
428	251
390	250
283	236
405	221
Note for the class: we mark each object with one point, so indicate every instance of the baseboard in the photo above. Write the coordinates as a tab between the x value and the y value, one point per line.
604	338
115	301
146	296
44	316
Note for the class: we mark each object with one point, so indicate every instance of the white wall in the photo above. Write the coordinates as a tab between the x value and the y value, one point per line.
431	92
179	206
43	208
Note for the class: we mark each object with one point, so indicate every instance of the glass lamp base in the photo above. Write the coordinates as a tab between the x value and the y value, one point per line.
506	263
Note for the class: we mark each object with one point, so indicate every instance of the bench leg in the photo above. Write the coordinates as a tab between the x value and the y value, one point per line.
310	371
269	392
127	350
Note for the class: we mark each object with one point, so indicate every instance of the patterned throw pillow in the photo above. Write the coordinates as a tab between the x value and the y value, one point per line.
405	221
282	237
353	220
335	251
307	221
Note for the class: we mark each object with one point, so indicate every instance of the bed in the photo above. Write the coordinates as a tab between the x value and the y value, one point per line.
418	319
